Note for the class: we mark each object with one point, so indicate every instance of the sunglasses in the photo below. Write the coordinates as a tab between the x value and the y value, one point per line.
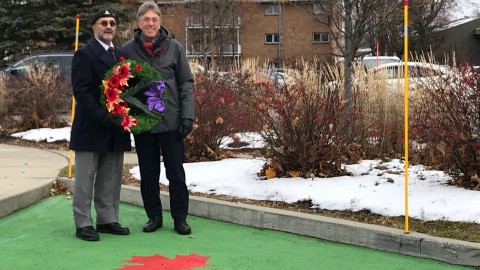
105	23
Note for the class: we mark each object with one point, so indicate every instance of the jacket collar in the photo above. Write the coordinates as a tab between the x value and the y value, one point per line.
100	52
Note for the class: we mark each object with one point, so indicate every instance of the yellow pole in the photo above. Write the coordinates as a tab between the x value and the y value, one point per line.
405	105
77	18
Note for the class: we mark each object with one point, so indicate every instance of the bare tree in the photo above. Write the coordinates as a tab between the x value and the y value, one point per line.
427	16
351	19
216	31
388	34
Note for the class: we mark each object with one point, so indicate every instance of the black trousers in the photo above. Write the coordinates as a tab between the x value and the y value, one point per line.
149	147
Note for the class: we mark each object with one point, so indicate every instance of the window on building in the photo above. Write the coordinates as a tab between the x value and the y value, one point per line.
272	38
272	9
320	37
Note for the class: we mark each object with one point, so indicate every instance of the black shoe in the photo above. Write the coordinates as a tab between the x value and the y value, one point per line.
87	233
153	224
182	227
113	228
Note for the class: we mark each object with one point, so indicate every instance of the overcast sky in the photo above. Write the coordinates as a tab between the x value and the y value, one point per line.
466	8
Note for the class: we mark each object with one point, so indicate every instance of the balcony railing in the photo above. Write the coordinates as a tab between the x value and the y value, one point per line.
196	22
228	50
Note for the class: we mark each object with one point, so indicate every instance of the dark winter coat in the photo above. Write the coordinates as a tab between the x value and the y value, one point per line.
89	65
169	59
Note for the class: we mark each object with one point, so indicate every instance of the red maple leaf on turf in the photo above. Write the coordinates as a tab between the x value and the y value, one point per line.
158	262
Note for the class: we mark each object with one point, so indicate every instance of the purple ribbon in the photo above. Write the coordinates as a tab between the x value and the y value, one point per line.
155	96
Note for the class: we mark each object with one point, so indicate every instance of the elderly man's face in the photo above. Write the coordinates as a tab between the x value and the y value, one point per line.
104	29
149	23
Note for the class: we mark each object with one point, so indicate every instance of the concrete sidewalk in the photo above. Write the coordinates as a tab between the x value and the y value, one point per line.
27	175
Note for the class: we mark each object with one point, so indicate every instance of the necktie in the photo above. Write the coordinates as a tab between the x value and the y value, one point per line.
149	47
112	53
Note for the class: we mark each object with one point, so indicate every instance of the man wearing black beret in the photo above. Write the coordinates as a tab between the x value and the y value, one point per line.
97	136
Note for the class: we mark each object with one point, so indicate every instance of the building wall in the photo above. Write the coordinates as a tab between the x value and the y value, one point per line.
463	41
294	23
252	32
174	20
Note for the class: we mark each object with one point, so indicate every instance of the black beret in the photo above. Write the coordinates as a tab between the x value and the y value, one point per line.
102	14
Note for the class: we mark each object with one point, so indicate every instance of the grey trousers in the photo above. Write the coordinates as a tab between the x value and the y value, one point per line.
97	175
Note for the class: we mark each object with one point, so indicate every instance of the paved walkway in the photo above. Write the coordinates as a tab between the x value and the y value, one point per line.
27	174
49	243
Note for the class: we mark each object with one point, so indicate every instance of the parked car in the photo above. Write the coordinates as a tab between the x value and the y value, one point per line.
374	61
419	74
17	74
60	61
415	70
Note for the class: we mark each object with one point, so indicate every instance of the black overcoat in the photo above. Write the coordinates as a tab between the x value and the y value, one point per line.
89	65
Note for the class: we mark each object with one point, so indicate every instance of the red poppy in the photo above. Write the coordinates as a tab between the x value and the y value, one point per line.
138	68
120	108
122	58
159	53
128	122
123	104
114	81
123	71
111	95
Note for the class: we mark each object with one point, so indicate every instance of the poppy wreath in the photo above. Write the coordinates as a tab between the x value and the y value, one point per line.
134	90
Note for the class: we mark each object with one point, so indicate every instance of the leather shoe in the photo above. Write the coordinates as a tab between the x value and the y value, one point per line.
87	233
153	224
182	227
113	228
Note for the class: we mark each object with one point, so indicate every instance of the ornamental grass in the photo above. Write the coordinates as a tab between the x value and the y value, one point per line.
35	99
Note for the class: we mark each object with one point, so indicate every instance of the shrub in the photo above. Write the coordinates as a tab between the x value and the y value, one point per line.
310	130
304	125
446	124
35	99
218	114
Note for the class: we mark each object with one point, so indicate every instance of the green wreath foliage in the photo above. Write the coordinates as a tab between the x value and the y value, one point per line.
122	89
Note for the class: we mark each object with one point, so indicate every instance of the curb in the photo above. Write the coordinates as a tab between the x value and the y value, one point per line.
22	200
336	230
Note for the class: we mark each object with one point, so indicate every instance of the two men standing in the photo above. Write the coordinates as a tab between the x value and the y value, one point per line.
99	141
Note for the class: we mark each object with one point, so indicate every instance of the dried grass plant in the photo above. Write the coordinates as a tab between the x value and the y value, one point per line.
36	99
3	90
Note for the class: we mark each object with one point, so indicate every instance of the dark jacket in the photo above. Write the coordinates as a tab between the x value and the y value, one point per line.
170	60
89	65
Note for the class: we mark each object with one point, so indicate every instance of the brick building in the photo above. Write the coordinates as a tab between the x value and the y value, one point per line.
242	29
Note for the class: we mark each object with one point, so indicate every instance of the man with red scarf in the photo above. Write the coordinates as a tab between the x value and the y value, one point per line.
154	45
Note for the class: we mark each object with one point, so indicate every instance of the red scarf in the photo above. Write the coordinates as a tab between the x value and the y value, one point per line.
149	47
